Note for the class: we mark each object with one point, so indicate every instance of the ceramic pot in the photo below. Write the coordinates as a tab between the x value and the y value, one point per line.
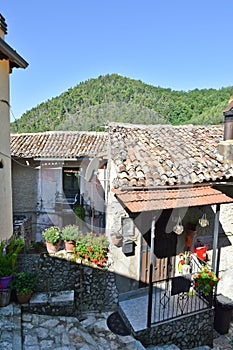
23	298
5	281
52	248
69	246
117	241
185	269
5	295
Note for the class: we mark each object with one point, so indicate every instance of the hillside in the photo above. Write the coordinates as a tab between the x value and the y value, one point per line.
90	105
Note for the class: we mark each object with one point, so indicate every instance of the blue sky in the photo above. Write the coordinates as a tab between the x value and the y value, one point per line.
180	44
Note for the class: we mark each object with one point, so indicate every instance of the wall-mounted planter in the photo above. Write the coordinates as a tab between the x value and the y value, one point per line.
117	241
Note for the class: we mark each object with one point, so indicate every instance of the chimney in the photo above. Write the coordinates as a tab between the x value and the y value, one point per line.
3	27
225	147
228	121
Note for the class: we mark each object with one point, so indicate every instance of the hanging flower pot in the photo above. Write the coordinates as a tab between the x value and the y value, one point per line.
178	228
203	221
117	240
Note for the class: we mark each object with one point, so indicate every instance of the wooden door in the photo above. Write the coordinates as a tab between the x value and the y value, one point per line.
164	251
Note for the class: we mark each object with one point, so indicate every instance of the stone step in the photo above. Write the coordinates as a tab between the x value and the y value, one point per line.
63	297
52	303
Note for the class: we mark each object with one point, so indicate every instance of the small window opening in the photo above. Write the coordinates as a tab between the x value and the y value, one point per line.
1	163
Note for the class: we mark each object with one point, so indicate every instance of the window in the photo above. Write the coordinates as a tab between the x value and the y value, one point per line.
71	186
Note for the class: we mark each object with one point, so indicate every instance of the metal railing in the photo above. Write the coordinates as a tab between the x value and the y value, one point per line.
177	296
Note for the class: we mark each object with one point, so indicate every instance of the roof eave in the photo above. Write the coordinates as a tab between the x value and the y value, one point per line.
8	53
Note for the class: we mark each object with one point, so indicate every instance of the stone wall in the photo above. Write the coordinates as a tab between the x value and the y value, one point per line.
94	288
22	227
187	332
10	327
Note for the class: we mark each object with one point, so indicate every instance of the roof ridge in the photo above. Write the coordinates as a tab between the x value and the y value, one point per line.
62	132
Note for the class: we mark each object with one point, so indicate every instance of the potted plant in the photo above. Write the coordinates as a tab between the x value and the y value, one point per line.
92	249
117	239
9	251
70	235
23	283
51	236
205	280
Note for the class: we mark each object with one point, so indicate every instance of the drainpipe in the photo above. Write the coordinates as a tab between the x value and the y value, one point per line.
150	293
215	241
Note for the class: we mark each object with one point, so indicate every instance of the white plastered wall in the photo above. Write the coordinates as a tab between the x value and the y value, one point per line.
6	220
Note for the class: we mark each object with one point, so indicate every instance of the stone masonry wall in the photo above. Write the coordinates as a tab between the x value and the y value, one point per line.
94	288
186	333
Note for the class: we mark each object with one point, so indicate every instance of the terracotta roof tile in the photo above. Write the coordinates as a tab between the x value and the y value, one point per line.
167	155
146	200
58	144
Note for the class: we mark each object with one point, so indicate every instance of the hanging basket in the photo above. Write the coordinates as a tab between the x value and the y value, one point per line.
178	228
203	221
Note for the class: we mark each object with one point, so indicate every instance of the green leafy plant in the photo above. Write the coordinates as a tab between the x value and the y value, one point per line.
205	280
51	234
9	251
93	248
80	212
70	233
24	282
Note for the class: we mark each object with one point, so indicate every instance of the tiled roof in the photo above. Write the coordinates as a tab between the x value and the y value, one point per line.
58	144
137	201
164	155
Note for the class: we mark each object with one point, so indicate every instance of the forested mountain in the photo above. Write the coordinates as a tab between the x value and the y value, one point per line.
90	105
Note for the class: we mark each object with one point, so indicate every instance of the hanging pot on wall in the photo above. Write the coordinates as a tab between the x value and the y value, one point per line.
117	240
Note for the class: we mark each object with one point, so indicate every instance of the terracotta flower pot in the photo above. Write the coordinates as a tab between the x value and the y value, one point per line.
117	241
69	246
52	248
23	298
